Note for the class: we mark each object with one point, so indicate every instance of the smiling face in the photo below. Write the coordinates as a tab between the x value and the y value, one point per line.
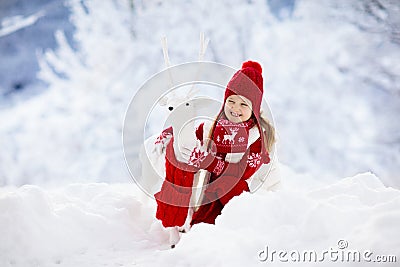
237	108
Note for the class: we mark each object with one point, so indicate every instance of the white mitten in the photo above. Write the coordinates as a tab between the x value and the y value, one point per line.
186	150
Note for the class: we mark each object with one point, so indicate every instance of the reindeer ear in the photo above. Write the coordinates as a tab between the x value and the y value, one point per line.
163	101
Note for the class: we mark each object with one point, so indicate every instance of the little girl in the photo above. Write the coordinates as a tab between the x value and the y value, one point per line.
236	145
231	149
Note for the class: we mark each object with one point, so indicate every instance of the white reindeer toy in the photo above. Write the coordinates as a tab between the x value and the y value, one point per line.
154	156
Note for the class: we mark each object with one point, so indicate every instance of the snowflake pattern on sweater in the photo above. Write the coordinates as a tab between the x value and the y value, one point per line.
219	167
164	136
254	160
197	157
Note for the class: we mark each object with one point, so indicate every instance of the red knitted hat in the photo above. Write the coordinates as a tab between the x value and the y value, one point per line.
248	82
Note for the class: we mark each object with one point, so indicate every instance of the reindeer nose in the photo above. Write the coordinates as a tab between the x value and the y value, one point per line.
170	108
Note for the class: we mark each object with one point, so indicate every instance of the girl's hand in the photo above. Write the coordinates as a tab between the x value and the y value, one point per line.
185	151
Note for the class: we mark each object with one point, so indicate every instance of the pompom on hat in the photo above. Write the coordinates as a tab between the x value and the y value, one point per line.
248	82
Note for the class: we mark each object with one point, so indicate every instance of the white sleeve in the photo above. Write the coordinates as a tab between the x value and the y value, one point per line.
267	177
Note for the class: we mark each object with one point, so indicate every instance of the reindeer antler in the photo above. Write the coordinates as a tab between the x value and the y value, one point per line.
202	50
203	46
164	44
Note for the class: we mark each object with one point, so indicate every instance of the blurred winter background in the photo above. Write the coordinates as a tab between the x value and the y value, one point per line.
68	70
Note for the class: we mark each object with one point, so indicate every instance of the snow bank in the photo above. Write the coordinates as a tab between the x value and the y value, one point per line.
96	224
40	227
359	210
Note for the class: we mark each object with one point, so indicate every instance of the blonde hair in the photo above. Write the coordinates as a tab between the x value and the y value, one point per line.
268	132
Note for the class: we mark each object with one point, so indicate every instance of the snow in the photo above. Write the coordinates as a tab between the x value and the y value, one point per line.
13	24
109	224
331	79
